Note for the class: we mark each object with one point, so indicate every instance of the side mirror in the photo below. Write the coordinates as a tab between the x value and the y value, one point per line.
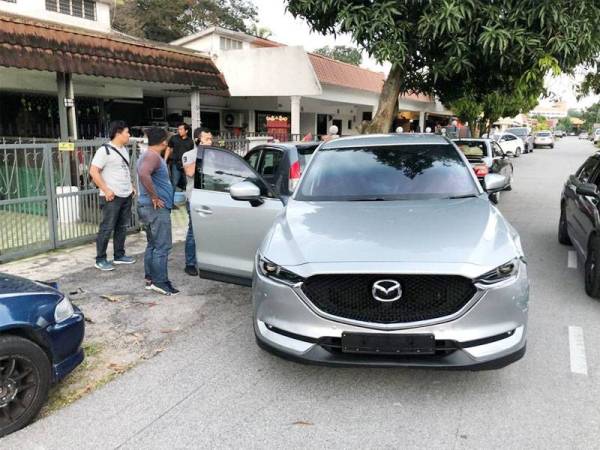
246	191
495	182
587	189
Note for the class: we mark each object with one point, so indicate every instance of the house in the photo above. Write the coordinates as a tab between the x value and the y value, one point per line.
312	92
65	73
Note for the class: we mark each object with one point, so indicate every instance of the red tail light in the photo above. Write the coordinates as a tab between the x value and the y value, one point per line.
481	171
295	172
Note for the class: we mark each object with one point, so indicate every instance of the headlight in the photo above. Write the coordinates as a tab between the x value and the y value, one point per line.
500	274
64	310
271	270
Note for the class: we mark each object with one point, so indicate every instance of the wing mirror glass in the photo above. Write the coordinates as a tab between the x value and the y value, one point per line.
588	189
495	182
246	191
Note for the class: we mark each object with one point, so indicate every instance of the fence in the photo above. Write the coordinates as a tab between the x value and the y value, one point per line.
47	199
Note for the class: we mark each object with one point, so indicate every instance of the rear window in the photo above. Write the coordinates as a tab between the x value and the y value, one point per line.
518	131
472	149
544	133
305	154
400	172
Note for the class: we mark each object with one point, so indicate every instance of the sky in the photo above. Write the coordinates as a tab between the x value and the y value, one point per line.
290	31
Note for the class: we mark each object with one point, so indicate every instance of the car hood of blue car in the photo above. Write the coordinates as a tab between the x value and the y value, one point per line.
12	284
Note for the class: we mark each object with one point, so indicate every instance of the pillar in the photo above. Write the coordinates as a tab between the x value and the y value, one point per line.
195	100
251	121
422	121
62	110
295	114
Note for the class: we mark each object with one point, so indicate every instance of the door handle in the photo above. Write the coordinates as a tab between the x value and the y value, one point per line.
203	210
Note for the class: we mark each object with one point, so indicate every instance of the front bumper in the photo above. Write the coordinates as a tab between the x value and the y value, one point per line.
65	341
490	333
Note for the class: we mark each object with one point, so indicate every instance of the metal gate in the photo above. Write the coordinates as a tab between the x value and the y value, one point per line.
47	198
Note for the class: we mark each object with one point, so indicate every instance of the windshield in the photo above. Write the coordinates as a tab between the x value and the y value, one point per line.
387	173
473	150
518	131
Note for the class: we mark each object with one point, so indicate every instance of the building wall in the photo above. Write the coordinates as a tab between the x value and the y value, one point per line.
37	10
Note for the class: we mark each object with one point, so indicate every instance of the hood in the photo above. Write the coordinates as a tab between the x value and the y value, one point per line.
11	284
462	231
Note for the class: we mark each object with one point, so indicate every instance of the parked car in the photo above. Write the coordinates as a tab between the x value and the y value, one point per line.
40	343
510	144
543	139
486	156
559	133
388	253
596	137
571	133
579	222
525	135
281	164
584	135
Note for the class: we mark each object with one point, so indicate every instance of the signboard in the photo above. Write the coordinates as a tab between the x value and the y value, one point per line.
66	146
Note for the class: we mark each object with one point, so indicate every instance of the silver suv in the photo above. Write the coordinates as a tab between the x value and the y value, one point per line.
389	253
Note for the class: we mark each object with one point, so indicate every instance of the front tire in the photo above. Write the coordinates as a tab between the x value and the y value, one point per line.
517	152
24	382
494	198
563	234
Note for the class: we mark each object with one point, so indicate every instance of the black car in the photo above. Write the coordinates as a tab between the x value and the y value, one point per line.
579	222
281	164
485	157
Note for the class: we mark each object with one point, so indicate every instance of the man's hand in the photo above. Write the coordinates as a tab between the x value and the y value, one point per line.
133	192
109	195
158	203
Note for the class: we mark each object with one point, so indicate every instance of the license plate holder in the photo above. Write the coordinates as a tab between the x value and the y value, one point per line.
388	344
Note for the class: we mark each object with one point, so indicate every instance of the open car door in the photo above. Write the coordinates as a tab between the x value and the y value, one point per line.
228	232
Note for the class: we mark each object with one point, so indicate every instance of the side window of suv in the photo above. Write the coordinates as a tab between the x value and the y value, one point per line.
253	159
586	171
222	169
270	164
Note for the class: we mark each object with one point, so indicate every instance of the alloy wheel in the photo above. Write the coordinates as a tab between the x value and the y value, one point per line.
18	385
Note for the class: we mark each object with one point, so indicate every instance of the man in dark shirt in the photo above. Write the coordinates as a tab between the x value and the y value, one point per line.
154	209
178	144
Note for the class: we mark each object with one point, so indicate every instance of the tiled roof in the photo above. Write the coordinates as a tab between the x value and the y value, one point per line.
337	73
36	45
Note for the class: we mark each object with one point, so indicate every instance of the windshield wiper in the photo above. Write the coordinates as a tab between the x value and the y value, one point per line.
454	197
368	199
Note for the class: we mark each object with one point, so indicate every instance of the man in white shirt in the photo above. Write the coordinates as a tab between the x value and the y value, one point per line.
110	170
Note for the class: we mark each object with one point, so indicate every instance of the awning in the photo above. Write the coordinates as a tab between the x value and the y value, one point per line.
35	45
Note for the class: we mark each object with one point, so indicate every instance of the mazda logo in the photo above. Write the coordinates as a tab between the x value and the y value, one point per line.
386	290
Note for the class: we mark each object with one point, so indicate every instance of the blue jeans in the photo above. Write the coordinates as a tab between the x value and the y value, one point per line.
190	243
177	175
157	223
116	217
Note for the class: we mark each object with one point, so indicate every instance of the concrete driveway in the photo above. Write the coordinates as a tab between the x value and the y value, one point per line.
213	387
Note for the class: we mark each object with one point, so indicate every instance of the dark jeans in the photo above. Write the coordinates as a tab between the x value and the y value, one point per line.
116	217
177	175
190	243
157	223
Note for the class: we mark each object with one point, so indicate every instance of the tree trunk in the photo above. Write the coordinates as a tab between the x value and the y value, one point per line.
388	102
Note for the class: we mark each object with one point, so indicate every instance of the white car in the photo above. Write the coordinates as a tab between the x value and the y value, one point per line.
597	136
510	144
543	139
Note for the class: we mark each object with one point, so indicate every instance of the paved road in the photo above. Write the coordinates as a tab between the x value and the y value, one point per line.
215	388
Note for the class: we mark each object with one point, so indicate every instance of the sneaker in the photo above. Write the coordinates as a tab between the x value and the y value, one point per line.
124	260
191	270
148	285
104	265
161	288
171	288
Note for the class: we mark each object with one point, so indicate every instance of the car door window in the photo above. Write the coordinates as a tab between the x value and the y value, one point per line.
253	158
269	164
586	171
496	150
221	169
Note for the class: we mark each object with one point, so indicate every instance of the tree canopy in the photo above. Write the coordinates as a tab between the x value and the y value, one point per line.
350	55
463	49
167	20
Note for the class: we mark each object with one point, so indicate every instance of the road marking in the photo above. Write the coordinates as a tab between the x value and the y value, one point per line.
577	350
572	260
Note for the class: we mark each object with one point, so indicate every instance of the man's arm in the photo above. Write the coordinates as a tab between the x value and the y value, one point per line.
190	169
96	174
145	170
168	152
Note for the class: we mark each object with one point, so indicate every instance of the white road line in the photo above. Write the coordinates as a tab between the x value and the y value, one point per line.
572	260
577	350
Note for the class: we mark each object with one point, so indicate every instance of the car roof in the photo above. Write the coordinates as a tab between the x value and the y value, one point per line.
471	139
371	140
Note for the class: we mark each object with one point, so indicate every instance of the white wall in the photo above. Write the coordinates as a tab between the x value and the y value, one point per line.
37	10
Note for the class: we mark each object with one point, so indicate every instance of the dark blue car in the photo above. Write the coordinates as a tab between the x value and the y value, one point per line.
40	343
